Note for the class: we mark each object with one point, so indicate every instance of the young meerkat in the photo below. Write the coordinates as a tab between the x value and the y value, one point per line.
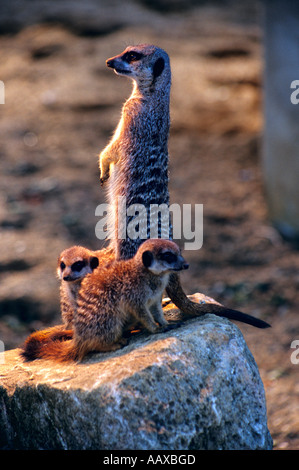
135	162
73	265
112	300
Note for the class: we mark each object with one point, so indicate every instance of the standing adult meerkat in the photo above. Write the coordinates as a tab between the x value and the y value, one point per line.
136	159
113	299
135	162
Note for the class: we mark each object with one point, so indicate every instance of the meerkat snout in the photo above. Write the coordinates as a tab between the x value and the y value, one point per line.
119	65
110	63
181	264
185	265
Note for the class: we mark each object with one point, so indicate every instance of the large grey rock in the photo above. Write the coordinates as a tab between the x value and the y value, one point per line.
194	387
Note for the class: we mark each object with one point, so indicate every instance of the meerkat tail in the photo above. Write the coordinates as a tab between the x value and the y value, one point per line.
179	298
60	345
59	351
39	340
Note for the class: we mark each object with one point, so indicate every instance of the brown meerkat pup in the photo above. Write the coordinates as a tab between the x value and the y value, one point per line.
111	300
73	265
135	162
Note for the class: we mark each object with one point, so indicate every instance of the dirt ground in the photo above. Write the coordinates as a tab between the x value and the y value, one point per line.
61	106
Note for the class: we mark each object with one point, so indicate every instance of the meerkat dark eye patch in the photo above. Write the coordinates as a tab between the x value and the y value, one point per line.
132	56
147	258
158	67
78	265
62	266
168	257
94	262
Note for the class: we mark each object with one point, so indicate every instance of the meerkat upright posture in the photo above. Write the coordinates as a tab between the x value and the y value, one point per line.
138	149
135	162
110	300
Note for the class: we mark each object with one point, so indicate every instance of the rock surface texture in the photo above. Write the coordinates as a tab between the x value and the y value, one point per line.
194	387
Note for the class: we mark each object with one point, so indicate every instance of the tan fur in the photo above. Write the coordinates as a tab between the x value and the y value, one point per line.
137	63
113	299
138	153
68	292
71	279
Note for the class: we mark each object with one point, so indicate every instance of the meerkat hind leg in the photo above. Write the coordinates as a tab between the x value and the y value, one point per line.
145	317
157	313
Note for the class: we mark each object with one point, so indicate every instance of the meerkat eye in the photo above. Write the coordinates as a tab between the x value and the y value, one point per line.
62	266
169	257
132	56
78	265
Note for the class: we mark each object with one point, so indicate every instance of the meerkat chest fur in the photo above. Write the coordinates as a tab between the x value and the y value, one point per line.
130	290
143	165
71	289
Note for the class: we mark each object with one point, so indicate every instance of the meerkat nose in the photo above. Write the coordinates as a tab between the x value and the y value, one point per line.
110	63
185	266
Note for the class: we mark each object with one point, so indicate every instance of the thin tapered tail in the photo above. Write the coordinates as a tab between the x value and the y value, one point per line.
193	309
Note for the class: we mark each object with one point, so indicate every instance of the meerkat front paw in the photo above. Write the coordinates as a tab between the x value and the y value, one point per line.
104	177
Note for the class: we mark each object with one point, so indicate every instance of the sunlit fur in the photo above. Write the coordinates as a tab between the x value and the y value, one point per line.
135	162
71	278
110	300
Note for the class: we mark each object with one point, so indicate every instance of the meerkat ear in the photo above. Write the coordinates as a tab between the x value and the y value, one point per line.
158	67
147	258
94	262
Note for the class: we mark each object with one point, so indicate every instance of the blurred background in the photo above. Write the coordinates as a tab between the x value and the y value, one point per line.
61	107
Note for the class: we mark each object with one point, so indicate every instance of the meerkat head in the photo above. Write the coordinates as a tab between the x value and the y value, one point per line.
161	256
75	263
146	64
